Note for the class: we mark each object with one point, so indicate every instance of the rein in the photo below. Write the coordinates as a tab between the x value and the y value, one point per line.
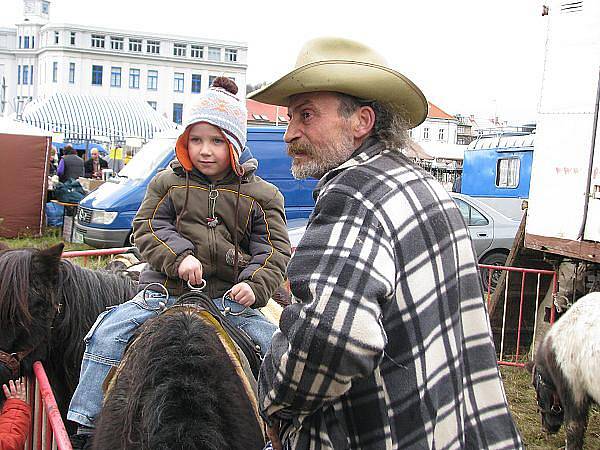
12	361
556	407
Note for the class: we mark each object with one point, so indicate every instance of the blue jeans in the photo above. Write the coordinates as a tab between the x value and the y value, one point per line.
106	341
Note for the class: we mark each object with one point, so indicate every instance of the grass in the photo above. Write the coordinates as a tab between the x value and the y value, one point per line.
52	237
521	399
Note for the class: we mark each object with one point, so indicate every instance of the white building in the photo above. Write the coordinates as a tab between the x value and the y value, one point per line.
39	58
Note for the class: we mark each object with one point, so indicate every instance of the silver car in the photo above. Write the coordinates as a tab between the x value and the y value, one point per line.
492	233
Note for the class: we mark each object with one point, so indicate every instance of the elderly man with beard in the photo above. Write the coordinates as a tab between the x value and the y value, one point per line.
387	344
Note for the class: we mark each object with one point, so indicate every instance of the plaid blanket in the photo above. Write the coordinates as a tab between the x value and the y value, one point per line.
388	344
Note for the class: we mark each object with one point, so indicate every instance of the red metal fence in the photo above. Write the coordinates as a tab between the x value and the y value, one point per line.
48	431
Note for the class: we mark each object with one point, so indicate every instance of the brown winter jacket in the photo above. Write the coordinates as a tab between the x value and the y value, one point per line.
262	233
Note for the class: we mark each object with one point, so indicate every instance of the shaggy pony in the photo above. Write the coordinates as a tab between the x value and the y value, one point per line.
177	388
47	305
566	370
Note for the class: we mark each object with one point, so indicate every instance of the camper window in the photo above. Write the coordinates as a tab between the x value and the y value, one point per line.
507	172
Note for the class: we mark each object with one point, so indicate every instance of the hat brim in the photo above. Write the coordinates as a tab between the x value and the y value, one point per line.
360	79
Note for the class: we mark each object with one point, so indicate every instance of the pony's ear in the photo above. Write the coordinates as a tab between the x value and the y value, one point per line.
49	259
529	365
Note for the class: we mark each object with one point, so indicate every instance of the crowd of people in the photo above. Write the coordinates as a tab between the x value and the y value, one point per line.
387	343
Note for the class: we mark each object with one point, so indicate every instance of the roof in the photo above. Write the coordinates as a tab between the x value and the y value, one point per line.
435	112
86	116
267	114
9	126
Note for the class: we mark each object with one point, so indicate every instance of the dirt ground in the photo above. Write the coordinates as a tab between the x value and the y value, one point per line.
521	399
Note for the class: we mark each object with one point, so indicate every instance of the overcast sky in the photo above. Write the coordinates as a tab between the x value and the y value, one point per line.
468	56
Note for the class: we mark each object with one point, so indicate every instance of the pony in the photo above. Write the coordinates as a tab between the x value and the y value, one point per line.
565	370
47	305
178	387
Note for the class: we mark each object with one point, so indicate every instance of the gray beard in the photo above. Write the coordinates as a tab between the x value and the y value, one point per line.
322	161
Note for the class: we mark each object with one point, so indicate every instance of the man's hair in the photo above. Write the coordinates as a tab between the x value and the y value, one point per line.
69	150
390	127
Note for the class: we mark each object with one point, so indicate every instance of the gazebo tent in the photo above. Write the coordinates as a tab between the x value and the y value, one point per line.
23	177
86	117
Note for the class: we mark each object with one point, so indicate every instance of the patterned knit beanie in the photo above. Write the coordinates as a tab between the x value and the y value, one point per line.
220	107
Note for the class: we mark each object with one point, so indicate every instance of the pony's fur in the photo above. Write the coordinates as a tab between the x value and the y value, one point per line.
48	305
567	365
177	388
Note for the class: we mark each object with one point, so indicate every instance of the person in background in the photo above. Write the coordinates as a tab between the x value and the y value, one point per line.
15	419
71	166
94	165
387	343
52	161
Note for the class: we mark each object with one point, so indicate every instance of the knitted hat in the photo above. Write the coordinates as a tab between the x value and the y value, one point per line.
220	107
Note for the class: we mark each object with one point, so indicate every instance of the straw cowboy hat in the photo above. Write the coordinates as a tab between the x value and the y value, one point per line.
346	66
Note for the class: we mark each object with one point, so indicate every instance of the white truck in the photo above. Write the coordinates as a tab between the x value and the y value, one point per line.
563	217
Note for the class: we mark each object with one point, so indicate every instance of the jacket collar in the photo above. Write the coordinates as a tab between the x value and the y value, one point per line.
368	149
249	165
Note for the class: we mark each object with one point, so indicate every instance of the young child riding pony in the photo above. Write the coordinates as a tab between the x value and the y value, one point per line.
205	220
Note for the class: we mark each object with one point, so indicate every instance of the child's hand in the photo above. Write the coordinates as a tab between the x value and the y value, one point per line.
190	270
16	390
242	293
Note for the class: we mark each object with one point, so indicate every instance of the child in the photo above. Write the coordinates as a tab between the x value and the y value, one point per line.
15	418
207	218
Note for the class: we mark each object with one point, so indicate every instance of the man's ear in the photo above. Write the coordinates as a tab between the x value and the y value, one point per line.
363	122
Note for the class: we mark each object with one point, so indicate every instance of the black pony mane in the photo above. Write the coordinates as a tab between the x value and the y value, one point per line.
81	293
177	388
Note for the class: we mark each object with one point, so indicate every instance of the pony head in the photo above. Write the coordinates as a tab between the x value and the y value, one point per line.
27	306
549	406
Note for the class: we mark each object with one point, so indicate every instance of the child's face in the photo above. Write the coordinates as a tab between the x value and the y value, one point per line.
209	151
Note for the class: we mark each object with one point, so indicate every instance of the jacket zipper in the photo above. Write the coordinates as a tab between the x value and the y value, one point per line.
212	223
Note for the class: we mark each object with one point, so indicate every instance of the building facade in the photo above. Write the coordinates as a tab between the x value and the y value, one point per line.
39	58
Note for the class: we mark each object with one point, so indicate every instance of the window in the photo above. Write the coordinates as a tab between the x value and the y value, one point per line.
214	54
72	73
441	134
425	133
97	75
196	81
97	41
410	133
197	51
115	77
152	80
179	49
507	173
152	105
56	35
153	47
230	55
72	38
473	218
135	45
178	82
20	41
45	7
54	72
25	74
177	112
211	79
32	41
134	78
116	43
26	42
19	74
30	74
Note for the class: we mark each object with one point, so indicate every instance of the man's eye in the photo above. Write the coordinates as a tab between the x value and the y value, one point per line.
305	115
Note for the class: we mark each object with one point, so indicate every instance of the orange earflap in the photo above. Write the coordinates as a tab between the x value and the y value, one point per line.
181	150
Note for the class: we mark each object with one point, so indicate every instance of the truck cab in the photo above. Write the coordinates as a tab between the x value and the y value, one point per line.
104	217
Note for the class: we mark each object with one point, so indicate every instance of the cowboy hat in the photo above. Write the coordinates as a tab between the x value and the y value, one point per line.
349	67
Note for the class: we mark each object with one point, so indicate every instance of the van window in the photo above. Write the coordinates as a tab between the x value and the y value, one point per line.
507	172
147	159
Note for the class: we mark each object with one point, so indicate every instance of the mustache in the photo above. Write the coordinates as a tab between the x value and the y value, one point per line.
298	148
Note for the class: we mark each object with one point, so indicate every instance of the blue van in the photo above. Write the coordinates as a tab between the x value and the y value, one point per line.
104	217
497	171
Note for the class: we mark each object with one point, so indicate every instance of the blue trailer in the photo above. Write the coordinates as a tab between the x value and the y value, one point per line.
497	171
105	216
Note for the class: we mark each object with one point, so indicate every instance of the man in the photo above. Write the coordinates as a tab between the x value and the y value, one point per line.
94	165
70	166
388	343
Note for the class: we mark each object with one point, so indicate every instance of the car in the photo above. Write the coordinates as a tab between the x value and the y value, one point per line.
492	233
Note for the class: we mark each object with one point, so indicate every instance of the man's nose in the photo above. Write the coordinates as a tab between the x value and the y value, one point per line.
291	133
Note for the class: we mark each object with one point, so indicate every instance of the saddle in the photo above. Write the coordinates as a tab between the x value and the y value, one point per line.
242	340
